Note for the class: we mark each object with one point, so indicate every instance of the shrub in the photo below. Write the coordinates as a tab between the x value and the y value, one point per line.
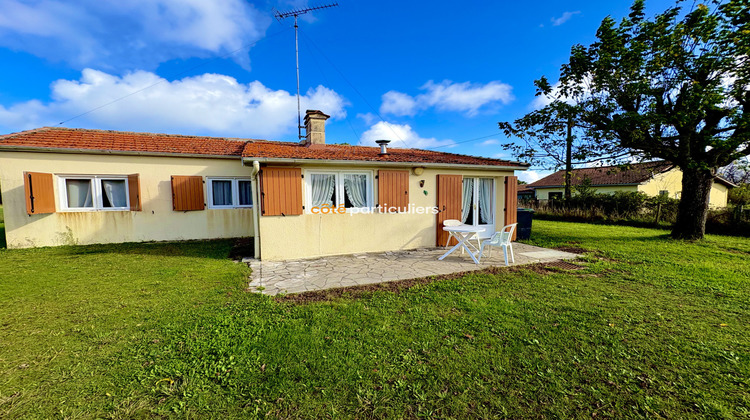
635	209
740	196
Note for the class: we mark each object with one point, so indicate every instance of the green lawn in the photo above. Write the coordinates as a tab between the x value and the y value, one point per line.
650	328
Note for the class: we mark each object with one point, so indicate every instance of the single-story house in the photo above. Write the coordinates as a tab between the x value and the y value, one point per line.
298	200
651	178
525	193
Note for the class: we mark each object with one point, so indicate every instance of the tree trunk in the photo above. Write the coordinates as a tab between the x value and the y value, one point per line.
693	208
569	161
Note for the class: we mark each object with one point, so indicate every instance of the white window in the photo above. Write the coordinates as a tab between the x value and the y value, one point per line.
94	192
350	189
229	193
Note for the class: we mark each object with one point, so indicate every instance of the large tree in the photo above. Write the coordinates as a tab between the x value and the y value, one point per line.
553	137
675	87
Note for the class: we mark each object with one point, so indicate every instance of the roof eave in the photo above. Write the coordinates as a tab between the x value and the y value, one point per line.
384	163
10	148
593	185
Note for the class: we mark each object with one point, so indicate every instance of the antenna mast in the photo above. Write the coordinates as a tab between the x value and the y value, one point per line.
283	15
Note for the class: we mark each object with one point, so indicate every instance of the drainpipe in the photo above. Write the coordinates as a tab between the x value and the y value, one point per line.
256	209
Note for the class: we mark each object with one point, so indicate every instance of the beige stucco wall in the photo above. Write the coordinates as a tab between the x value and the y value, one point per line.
313	235
157	221
672	181
719	195
668	181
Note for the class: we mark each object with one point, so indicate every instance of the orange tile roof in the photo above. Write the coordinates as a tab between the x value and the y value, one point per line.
286	150
606	175
119	141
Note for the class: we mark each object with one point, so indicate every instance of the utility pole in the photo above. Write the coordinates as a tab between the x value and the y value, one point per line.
569	159
296	13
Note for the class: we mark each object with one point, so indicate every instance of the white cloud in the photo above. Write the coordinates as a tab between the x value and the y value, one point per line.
490	142
532	176
368	117
401	135
564	18
398	103
130	34
464	97
212	104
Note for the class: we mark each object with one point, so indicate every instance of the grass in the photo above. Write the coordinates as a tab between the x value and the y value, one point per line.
649	328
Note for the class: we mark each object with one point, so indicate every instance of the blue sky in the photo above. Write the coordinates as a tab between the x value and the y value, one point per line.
436	75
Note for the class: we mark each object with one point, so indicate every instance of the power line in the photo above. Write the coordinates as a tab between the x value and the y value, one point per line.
462	142
322	73
172	76
355	89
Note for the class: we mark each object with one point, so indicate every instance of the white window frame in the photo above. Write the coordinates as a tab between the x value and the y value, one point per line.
97	193
235	192
339	187
475	204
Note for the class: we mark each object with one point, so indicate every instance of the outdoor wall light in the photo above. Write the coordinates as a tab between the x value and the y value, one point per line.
418	170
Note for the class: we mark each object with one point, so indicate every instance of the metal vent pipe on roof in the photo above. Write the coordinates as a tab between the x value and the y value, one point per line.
383	144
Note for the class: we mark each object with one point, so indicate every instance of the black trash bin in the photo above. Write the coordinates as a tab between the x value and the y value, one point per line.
524	217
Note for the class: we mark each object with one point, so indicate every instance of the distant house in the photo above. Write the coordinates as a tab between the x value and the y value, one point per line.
297	199
525	193
651	178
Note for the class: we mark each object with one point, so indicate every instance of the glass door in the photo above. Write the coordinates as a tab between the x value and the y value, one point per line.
478	204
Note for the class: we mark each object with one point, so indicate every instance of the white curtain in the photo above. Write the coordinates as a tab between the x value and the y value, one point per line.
222	193
114	189
355	187
323	186
79	193
486	213
468	198
246	193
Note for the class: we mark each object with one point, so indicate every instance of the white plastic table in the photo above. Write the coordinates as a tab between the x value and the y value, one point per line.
462	233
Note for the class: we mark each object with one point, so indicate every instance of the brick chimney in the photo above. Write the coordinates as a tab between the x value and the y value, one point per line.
315	127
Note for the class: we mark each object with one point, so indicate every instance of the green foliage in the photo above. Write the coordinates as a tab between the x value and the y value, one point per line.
740	196
673	87
545	137
584	190
621	206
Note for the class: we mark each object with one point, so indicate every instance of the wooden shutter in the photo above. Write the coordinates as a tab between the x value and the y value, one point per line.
393	189
134	191
40	193
511	202
281	191
449	193
187	193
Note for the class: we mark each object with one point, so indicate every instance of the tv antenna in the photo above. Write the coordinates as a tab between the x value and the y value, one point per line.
296	13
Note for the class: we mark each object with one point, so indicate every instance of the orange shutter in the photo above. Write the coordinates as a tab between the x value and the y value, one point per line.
281	191
511	202
393	190
449	193
40	194
134	191
187	193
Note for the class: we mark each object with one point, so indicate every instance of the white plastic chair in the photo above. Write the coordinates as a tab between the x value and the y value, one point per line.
502	239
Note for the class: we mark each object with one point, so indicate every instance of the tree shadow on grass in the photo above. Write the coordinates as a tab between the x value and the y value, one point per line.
211	249
3	244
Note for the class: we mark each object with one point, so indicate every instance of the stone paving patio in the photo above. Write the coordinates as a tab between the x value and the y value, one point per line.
297	276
